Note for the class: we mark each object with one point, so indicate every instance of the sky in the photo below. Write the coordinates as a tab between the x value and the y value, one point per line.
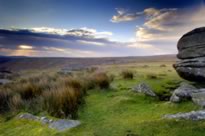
96	28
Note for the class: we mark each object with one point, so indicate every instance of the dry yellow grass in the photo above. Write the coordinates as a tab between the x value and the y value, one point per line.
58	95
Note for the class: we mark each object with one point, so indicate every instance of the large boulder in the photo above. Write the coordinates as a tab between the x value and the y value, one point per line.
191	52
183	92
199	97
188	92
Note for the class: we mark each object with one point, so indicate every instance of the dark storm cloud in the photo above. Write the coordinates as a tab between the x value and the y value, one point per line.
13	38
56	42
66	43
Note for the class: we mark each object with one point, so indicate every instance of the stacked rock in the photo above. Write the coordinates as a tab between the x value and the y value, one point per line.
191	52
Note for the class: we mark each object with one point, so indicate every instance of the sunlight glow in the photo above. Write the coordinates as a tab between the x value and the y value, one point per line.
25	47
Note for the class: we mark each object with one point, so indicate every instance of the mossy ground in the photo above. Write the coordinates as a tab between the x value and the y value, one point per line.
121	112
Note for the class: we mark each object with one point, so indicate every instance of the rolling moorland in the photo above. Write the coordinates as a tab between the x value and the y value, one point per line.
99	96
102	68
28	63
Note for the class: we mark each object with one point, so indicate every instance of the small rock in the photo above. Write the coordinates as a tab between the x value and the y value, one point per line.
28	116
183	92
193	115
175	99
60	124
144	88
4	81
65	71
45	120
64	124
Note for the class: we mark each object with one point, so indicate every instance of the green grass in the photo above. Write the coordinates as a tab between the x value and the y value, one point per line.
121	112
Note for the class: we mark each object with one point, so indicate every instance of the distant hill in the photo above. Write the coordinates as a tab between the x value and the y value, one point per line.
20	63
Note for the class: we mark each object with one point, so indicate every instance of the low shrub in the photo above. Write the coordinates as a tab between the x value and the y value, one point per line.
28	90
60	96
168	87
101	80
164	95
162	74
15	102
92	69
127	74
145	66
151	76
163	65
62	101
112	77
5	96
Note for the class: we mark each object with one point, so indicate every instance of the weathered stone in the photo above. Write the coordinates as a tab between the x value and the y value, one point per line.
64	124
193	115
45	120
28	116
191	49
144	88
59	124
199	98
191	69
175	99
5	81
185	92
192	39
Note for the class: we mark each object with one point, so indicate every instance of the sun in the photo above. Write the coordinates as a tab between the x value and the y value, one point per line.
25	47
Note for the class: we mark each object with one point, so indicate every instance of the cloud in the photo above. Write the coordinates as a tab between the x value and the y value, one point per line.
89	32
91	43
124	16
54	49
73	43
18	52
157	19
170	25
162	28
50	51
83	42
158	34
148	48
141	46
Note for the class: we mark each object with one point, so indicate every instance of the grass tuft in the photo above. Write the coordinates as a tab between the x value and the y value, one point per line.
127	74
152	76
101	80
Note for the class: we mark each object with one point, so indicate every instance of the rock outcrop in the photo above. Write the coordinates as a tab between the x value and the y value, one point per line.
191	52
144	88
193	115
